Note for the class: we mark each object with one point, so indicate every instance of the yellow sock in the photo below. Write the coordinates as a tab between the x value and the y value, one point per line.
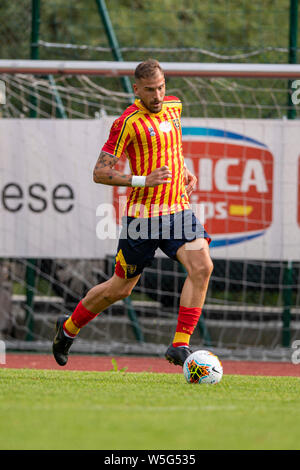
70	328
181	339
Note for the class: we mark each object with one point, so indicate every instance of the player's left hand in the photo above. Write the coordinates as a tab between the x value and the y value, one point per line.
190	181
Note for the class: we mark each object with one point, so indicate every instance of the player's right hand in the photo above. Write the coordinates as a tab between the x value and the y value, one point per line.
161	175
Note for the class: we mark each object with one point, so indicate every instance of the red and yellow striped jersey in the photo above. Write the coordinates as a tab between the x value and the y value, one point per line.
150	141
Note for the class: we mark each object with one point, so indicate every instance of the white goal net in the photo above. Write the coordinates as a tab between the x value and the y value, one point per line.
59	230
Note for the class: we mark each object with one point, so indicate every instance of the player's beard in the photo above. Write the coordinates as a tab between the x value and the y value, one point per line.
155	107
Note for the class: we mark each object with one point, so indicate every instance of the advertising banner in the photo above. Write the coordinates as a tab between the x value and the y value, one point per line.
247	193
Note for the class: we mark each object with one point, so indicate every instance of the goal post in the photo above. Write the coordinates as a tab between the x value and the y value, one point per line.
63	229
178	69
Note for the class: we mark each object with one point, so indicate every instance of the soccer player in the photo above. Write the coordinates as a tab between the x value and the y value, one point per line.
149	133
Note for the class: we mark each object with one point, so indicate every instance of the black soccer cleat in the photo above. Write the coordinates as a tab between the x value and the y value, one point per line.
61	342
178	355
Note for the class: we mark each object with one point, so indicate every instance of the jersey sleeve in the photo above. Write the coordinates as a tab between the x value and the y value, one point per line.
119	138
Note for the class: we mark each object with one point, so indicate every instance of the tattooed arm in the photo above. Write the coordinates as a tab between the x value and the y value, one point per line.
104	172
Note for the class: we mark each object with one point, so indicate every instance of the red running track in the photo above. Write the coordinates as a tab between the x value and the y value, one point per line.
143	364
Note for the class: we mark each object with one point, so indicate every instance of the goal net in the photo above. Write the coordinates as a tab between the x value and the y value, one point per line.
59	230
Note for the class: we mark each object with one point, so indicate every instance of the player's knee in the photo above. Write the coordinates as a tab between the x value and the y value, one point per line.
125	292
113	294
201	271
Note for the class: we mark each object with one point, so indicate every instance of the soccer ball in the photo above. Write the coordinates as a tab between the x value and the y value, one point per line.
202	367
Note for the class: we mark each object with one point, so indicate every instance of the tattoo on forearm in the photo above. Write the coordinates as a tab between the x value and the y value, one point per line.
104	160
108	161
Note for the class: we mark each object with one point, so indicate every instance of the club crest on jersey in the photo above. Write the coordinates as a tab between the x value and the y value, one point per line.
151	131
176	123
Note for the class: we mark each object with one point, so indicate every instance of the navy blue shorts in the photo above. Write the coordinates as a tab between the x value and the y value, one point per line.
141	237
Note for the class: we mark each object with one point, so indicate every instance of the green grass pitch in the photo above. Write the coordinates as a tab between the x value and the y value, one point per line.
47	409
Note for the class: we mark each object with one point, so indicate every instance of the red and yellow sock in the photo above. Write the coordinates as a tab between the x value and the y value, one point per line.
188	318
79	318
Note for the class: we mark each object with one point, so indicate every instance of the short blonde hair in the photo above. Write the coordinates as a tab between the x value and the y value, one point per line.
147	69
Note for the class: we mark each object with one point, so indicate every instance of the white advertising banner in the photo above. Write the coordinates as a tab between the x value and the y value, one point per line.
247	192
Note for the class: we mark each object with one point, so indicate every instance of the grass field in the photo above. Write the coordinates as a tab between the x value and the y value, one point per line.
50	409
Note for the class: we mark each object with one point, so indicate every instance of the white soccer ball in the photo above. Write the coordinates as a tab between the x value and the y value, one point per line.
202	367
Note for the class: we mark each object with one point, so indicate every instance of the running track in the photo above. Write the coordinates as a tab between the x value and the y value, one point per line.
143	364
